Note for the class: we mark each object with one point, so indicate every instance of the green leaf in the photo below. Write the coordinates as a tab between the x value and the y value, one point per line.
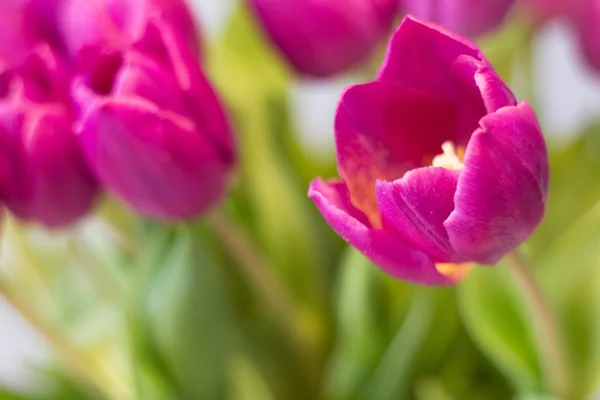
247	383
190	315
361	332
496	318
392	379
570	271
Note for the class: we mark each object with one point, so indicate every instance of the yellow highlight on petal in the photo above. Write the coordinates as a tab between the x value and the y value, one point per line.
456	272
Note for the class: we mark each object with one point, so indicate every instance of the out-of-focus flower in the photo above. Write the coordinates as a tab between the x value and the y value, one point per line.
43	175
465	17
440	166
323	38
152	127
583	15
118	23
22	27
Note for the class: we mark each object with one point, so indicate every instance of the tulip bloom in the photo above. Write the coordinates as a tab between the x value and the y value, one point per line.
152	127
440	166
465	17
118	23
43	176
322	38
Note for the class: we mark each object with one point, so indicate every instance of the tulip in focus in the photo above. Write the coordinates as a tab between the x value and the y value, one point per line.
440	166
118	23
322	38
152	127
43	175
466	17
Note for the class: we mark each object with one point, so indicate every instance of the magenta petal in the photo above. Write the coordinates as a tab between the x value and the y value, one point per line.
49	182
155	161
482	85
384	247
417	206
383	130
502	190
420	56
466	17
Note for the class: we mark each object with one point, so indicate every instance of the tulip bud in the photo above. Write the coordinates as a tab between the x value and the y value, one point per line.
152	127
44	177
440	166
466	17
118	23
323	38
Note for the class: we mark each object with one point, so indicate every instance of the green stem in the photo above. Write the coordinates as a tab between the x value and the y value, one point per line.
258	273
548	333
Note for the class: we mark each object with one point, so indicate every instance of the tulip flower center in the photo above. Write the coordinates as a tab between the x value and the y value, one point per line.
451	158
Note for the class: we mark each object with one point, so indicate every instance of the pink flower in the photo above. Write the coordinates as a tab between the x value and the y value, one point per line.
152	128
43	176
440	166
118	23
466	17
323	38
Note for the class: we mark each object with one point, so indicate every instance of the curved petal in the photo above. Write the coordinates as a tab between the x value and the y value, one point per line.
382	130
50	182
385	248
417	205
154	160
163	44
502	190
482	85
420	56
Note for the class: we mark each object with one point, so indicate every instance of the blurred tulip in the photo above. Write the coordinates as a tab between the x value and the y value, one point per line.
323	38
583	15
43	176
420	215
22	27
465	17
152	127
118	23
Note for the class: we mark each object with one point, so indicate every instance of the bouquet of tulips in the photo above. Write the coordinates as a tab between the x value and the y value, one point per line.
170	237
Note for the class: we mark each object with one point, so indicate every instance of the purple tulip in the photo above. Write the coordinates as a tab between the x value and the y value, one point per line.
23	25
118	23
43	175
152	127
466	17
440	166
323	38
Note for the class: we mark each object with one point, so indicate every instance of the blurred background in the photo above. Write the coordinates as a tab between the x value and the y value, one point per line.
567	100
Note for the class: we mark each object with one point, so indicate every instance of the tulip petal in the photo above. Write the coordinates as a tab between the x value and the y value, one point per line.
483	88
465	17
383	130
385	248
420	56
502	190
161	42
154	160
322	38
417	205
49	182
